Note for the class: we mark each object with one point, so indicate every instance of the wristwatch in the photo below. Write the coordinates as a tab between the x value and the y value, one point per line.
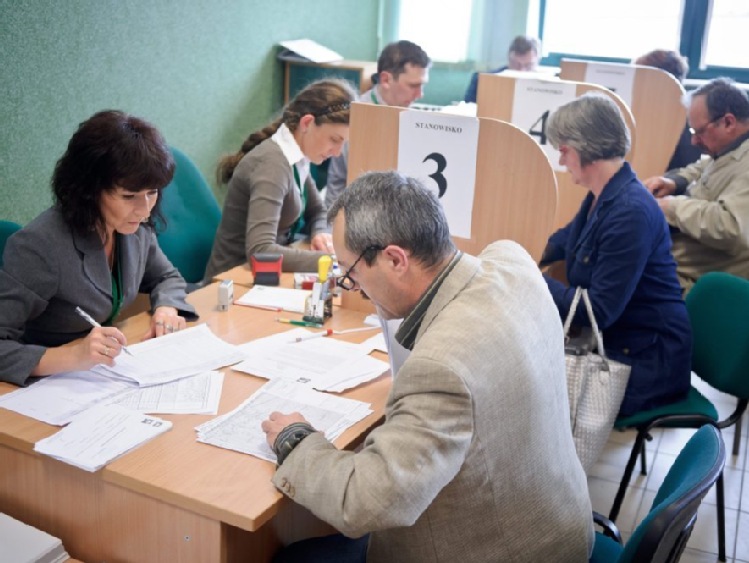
289	438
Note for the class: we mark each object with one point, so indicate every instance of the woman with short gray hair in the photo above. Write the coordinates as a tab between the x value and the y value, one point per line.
618	246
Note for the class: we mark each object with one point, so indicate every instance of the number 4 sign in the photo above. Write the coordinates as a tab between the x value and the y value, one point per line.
533	102
440	150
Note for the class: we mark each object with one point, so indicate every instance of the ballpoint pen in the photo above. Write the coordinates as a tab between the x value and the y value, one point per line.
326	332
90	320
299	323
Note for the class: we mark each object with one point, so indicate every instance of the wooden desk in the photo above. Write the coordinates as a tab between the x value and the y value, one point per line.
172	499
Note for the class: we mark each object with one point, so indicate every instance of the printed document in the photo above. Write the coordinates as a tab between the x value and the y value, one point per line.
197	394
324	363
173	356
100	435
240	430
279	298
57	399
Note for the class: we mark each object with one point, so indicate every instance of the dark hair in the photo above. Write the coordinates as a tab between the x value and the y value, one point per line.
670	61
723	96
382	208
524	43
395	56
110	149
328	101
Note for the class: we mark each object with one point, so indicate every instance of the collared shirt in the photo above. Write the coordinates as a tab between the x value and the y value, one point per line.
284	138
373	97
733	146
406	335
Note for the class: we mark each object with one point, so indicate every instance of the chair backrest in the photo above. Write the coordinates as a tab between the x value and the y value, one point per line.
663	534
718	307
192	217
7	228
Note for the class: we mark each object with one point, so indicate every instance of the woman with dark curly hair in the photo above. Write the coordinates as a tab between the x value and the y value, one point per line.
95	248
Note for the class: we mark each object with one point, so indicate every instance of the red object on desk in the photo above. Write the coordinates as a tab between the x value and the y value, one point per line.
266	268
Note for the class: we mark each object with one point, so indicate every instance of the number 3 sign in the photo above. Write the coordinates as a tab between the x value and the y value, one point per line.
440	150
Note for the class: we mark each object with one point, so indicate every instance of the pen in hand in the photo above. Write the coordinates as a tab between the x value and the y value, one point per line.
90	320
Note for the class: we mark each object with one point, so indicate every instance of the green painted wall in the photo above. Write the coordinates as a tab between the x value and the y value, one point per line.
203	71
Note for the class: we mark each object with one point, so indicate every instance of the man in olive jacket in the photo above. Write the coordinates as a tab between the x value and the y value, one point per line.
707	202
475	459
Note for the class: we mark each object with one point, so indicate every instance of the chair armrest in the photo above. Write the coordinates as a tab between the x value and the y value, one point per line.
609	528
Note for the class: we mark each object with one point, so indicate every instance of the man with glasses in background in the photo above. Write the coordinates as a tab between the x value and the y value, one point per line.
707	202
476	448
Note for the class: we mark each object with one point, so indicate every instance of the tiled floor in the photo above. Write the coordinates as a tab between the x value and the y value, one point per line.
703	545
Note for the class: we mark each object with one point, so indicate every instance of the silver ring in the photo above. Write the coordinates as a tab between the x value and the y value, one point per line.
159	323
170	328
106	351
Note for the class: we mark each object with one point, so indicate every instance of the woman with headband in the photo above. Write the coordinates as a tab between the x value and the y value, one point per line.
272	199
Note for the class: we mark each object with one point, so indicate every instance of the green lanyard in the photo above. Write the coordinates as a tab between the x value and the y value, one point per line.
298	225
116	286
374	98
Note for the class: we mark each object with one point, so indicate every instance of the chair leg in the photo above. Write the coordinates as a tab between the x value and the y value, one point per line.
624	483
719	493
737	436
643	460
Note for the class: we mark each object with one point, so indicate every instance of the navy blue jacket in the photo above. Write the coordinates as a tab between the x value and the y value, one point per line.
622	255
473	85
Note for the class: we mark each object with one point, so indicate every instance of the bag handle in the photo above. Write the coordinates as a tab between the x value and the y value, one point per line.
582	292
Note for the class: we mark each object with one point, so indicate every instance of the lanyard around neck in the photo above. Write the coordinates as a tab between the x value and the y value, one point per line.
375	101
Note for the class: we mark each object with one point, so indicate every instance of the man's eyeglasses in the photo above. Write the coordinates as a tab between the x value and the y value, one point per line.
699	132
345	281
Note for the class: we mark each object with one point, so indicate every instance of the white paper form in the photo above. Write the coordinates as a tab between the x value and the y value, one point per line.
173	356
100	435
197	394
57	399
275	298
324	363
240	430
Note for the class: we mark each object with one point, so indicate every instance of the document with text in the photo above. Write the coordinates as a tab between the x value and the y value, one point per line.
299	355
240	430
57	399
100	435
173	356
196	394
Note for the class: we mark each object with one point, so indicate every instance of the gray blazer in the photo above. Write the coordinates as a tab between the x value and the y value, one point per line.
48	271
475	459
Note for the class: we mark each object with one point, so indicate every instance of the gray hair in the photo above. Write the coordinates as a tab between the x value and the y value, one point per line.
383	208
592	125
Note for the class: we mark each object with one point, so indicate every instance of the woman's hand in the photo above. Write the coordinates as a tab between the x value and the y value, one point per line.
322	242
101	346
165	320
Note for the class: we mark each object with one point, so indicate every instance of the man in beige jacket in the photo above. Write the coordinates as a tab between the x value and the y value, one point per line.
475	459
707	202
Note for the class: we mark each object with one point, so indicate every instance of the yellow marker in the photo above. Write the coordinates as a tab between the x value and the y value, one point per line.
323	267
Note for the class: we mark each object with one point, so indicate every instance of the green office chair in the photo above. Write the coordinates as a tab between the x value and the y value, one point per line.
662	536
7	228
192	217
718	307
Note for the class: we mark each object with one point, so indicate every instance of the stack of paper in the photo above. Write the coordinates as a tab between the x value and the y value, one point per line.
21	543
197	394
240	429
323	363
277	298
57	399
100	435
173	356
